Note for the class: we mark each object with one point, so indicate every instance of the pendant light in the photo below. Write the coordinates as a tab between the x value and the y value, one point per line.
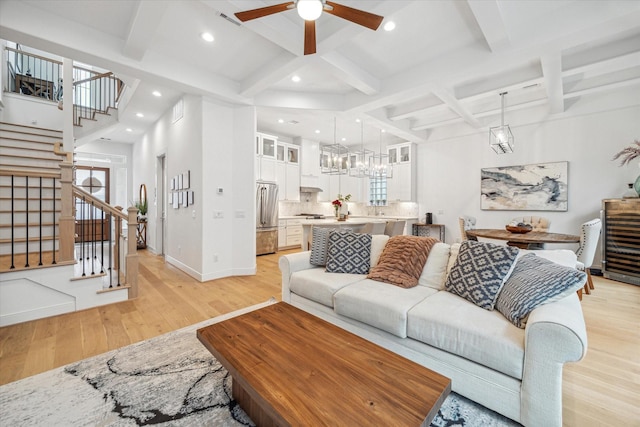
500	137
359	160
334	158
379	165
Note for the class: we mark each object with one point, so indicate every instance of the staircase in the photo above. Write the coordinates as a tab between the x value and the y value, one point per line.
48	263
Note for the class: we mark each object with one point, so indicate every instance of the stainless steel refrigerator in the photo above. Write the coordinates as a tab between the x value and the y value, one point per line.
266	217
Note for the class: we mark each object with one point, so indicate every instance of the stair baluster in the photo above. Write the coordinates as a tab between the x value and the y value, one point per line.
26	189
40	222
13	243
54	222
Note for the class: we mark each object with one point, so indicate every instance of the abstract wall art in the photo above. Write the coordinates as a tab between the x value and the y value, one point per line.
536	187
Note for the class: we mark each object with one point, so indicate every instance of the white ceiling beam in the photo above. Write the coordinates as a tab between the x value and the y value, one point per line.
595	69
274	72
352	74
552	72
603	88
300	100
456	106
402	129
489	18
414	108
142	28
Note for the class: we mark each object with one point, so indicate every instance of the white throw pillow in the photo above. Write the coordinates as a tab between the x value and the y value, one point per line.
434	272
378	242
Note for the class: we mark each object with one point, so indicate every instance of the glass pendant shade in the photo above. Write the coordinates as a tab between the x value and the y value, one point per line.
309	10
359	160
500	137
334	159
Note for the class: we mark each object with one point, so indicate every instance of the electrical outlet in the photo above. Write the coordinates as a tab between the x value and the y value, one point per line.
218	214
440	212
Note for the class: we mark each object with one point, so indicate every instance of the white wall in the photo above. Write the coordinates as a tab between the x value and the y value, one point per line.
215	142
24	110
449	170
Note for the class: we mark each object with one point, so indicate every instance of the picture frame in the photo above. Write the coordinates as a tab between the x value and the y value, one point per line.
533	187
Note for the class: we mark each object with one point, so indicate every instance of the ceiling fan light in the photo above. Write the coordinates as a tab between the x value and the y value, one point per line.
309	10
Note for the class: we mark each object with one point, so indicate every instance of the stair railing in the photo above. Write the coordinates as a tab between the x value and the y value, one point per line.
102	246
33	75
94	93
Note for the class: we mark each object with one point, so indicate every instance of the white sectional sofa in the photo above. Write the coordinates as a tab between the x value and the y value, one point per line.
513	371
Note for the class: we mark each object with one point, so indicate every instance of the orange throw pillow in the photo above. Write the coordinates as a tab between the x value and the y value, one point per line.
402	260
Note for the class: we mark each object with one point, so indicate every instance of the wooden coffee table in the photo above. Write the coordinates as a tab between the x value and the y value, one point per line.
292	368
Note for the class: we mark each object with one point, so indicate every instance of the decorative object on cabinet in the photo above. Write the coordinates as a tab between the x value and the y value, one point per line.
310	10
337	204
500	137
428	230
344	207
359	160
621	240
535	187
627	154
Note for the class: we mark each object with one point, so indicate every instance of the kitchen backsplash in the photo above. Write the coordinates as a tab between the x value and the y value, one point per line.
399	209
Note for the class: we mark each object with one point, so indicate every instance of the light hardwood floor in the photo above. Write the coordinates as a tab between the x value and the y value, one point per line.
601	390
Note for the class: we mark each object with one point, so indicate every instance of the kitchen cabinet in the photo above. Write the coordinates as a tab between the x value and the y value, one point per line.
288	171
289	233
265	162
402	186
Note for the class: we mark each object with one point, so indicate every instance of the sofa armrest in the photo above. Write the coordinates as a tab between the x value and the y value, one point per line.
289	264
555	334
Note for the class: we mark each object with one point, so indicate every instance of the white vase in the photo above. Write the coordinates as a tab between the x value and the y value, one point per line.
344	209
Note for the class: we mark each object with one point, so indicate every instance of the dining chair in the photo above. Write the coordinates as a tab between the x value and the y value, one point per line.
394	228
373	228
538	223
466	223
589	235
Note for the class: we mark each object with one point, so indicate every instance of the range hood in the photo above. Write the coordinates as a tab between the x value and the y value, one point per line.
310	190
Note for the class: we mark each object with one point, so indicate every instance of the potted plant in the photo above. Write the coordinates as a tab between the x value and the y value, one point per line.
627	155
142	210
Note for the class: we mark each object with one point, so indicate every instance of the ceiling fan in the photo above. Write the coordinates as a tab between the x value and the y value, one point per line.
310	10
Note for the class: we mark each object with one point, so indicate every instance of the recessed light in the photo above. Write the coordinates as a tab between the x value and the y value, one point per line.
389	26
280	121
344	139
357	120
156	93
208	37
317	130
139	115
295	79
129	130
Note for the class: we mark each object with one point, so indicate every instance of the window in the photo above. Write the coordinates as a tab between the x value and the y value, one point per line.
378	190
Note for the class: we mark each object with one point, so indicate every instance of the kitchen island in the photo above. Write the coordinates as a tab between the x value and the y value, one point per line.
352	223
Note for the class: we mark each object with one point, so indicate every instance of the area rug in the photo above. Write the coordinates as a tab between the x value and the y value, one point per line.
169	380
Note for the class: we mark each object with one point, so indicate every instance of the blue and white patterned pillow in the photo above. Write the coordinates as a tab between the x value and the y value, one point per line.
319	245
349	253
536	281
480	271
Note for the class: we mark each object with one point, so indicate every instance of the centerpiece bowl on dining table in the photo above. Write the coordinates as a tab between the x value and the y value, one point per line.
519	229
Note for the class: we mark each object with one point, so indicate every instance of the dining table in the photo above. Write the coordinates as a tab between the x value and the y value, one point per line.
522	240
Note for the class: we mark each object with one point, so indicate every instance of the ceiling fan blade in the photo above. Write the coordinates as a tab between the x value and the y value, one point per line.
357	16
248	15
309	37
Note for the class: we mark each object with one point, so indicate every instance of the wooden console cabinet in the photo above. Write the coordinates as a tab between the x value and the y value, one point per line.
621	240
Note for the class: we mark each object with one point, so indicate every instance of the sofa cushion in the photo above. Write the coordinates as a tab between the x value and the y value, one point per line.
402	260
319	286
536	281
453	256
480	272
349	253
452	324
434	272
379	304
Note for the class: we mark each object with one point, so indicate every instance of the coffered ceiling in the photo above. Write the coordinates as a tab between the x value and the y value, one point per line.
438	73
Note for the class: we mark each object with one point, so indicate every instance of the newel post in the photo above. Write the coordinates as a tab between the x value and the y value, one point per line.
132	252
67	219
